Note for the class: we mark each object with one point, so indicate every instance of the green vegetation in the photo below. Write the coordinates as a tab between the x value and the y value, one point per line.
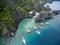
1	28
25	4
2	5
5	16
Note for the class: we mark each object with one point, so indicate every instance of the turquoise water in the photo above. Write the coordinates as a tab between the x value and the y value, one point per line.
49	35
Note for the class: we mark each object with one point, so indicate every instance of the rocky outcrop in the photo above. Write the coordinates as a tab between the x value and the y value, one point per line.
30	14
56	12
6	32
38	8
12	32
43	16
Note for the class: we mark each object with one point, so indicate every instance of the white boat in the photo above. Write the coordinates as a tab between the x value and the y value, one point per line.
31	12
28	31
42	23
23	40
35	27
38	32
47	23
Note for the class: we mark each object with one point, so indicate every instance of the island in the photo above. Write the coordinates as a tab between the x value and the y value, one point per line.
12	12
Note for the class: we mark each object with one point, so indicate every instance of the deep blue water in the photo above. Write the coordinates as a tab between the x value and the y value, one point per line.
50	35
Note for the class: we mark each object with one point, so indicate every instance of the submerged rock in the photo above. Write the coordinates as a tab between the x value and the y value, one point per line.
56	12
12	34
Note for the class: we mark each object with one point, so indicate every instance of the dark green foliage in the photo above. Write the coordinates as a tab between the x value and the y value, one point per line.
5	17
2	5
1	28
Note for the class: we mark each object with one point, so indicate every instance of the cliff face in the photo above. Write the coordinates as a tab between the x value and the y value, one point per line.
16	14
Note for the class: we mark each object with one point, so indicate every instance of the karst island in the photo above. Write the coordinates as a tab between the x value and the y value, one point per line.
29	22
